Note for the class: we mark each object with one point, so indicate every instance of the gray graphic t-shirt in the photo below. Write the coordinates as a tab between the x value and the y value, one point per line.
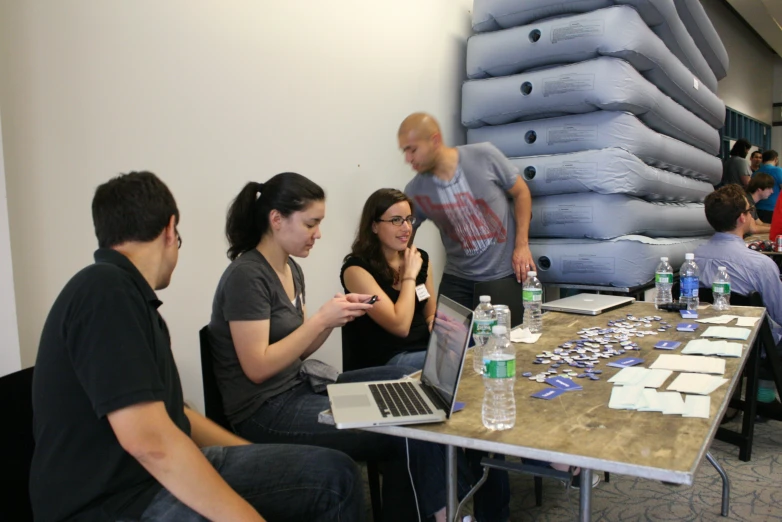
250	290
473	212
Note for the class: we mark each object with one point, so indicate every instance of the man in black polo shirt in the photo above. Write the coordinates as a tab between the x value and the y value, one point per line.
113	438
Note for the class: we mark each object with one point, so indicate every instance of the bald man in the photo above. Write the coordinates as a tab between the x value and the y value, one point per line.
477	200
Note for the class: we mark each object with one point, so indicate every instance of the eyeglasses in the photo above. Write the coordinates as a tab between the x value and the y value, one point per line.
398	220
751	209
178	239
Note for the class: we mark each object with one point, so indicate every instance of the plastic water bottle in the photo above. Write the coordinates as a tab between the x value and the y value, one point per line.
499	376
484	319
663	281
720	289
532	295
689	275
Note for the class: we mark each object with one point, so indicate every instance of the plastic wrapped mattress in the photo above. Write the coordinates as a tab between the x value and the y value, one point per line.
600	84
660	15
625	261
599	130
704	35
616	31
607	171
606	216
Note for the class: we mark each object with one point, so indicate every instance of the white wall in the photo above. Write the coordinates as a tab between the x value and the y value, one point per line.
748	86
10	360
210	95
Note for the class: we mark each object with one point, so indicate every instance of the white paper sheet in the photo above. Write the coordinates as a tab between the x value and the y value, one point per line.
747	321
624	397
706	347
721	319
727	332
696	383
697	406
689	363
650	396
629	376
672	403
523	335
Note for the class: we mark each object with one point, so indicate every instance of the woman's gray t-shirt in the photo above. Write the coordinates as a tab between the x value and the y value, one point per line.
250	290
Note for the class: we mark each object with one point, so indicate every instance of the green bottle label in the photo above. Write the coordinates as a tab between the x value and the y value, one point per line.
663	277
720	288
483	326
534	295
500	369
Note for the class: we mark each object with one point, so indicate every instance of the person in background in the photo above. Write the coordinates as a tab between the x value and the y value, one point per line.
755	159
771	167
113	438
760	187
261	333
729	213
736	169
381	263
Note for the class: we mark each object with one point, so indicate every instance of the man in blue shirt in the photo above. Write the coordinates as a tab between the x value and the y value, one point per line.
729	213
770	166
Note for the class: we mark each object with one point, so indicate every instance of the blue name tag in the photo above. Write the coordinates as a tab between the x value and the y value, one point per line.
548	393
689	314
627	361
563	384
687	327
667	345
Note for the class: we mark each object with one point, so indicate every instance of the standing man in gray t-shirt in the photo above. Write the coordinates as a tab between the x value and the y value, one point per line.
477	200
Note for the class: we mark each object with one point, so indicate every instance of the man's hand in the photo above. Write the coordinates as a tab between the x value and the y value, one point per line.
522	263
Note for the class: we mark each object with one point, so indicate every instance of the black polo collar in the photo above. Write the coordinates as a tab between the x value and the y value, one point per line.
111	256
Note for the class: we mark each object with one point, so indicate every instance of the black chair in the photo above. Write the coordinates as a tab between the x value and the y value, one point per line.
17	437
213	400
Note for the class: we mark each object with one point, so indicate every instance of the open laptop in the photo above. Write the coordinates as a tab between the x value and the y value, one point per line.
588	304
409	401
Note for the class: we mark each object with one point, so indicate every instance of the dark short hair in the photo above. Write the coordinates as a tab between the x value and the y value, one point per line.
724	206
760	181
740	148
132	207
758	151
248	215
770	155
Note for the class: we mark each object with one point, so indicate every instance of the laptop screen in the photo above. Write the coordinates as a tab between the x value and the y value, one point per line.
447	345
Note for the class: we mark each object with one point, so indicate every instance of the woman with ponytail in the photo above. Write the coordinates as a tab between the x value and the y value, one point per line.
260	333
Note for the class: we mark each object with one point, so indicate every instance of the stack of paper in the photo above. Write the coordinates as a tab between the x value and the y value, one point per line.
722	319
668	403
625	397
690	363
727	332
637	376
747	321
697	383
671	402
697	406
706	347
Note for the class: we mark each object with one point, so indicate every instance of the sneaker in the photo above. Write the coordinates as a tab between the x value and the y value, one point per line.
576	483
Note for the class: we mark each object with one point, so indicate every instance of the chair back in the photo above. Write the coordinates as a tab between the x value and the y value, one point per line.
16	396
213	400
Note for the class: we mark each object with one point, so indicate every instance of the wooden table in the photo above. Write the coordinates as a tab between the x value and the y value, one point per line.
578	428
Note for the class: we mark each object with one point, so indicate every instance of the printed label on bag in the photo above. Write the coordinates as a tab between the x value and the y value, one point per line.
720	288
494	369
483	326
533	295
663	277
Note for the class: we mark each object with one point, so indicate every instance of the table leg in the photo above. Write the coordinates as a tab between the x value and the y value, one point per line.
725	484
585	500
452	498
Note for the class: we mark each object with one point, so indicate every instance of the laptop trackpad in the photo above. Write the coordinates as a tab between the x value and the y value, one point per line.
351	401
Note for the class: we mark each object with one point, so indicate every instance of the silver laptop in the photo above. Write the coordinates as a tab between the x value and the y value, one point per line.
409	401
587	304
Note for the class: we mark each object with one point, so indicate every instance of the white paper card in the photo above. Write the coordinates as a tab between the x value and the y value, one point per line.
697	406
652	400
422	292
672	403
523	335
696	383
624	397
727	332
655	378
747	321
721	319
690	363
706	347
629	376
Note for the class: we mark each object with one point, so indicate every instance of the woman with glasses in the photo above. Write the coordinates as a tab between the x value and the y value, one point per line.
260	333
381	263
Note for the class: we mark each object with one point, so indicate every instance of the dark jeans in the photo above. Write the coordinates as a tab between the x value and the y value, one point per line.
282	482
292	418
492	500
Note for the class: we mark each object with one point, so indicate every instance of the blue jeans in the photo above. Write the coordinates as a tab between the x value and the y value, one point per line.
292	418
411	359
492	500
282	482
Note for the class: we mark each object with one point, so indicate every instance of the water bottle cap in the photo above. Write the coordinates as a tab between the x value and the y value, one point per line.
485	299
532	274
721	268
499	329
689	256
664	259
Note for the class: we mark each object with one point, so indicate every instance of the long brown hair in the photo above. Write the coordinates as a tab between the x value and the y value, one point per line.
367	245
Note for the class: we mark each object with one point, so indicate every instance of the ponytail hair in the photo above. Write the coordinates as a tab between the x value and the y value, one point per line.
248	215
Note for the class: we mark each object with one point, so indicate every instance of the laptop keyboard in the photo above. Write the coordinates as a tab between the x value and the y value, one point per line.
398	399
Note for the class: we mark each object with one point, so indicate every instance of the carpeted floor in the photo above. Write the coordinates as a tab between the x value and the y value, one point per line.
756	490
